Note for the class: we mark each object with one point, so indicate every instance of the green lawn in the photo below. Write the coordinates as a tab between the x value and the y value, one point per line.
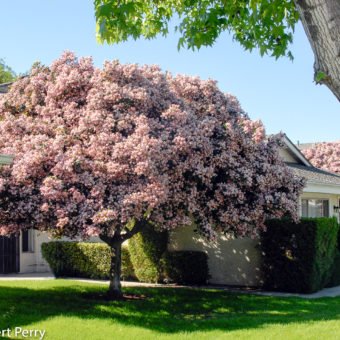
59	307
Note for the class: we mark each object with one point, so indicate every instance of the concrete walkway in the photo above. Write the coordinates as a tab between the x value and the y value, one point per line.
326	292
27	276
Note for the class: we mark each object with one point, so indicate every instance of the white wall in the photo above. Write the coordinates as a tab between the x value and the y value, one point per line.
231	261
33	262
287	155
234	261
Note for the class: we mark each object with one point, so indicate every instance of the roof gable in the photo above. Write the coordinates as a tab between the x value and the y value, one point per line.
292	154
4	87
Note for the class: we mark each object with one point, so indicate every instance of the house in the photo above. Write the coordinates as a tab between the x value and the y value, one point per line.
231	261
21	254
4	87
238	261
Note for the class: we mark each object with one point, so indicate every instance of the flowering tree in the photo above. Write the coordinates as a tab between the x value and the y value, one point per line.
325	156
104	152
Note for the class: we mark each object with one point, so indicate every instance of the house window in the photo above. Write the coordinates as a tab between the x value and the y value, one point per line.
315	208
28	240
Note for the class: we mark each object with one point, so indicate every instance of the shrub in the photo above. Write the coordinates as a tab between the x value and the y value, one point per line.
146	249
185	267
153	263
81	259
335	278
299	257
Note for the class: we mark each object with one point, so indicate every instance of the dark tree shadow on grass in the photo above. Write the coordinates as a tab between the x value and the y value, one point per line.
166	310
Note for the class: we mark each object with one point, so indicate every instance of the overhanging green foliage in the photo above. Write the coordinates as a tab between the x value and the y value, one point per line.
6	73
267	25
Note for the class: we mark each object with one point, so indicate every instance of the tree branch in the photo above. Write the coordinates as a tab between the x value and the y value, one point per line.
139	225
112	240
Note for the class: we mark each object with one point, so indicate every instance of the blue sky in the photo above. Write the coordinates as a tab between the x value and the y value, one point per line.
280	93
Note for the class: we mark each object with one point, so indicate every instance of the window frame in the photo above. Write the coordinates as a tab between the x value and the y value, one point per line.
315	199
27	241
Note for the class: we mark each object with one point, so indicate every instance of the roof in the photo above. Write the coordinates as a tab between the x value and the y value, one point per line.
4	87
303	146
296	153
314	175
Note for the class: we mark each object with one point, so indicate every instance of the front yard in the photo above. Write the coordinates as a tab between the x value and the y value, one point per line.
60	308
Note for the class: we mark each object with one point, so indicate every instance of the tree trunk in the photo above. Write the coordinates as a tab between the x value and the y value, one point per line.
321	21
115	242
115	288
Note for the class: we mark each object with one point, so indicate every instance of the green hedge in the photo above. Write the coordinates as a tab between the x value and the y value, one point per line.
299	257
146	250
185	267
153	263
335	279
82	259
146	258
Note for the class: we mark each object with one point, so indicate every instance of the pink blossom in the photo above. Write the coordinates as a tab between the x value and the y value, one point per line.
97	148
325	156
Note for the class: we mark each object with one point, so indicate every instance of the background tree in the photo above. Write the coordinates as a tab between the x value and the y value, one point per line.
325	156
264	24
104	152
6	73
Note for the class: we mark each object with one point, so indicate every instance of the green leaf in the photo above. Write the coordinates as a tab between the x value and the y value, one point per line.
253	23
320	76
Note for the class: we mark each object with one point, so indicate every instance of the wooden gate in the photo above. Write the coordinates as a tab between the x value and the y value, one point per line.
9	254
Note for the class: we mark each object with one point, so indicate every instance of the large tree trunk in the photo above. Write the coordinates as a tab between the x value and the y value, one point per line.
321	21
115	241
115	288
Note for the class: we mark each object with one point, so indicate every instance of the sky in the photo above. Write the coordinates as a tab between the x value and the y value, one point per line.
281	93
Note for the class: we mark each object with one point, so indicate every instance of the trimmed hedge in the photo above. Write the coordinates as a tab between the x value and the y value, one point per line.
335	279
146	258
299	257
146	249
153	263
82	259
185	267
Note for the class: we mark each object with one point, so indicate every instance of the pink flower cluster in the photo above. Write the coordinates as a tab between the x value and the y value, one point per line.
96	148
325	156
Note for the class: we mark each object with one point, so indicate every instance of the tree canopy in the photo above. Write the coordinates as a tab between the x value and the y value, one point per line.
6	73
264	24
325	156
267	25
102	152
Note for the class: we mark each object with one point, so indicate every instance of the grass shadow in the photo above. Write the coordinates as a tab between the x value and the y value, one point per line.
166	310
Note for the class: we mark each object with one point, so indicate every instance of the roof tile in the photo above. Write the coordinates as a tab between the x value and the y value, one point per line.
314	175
